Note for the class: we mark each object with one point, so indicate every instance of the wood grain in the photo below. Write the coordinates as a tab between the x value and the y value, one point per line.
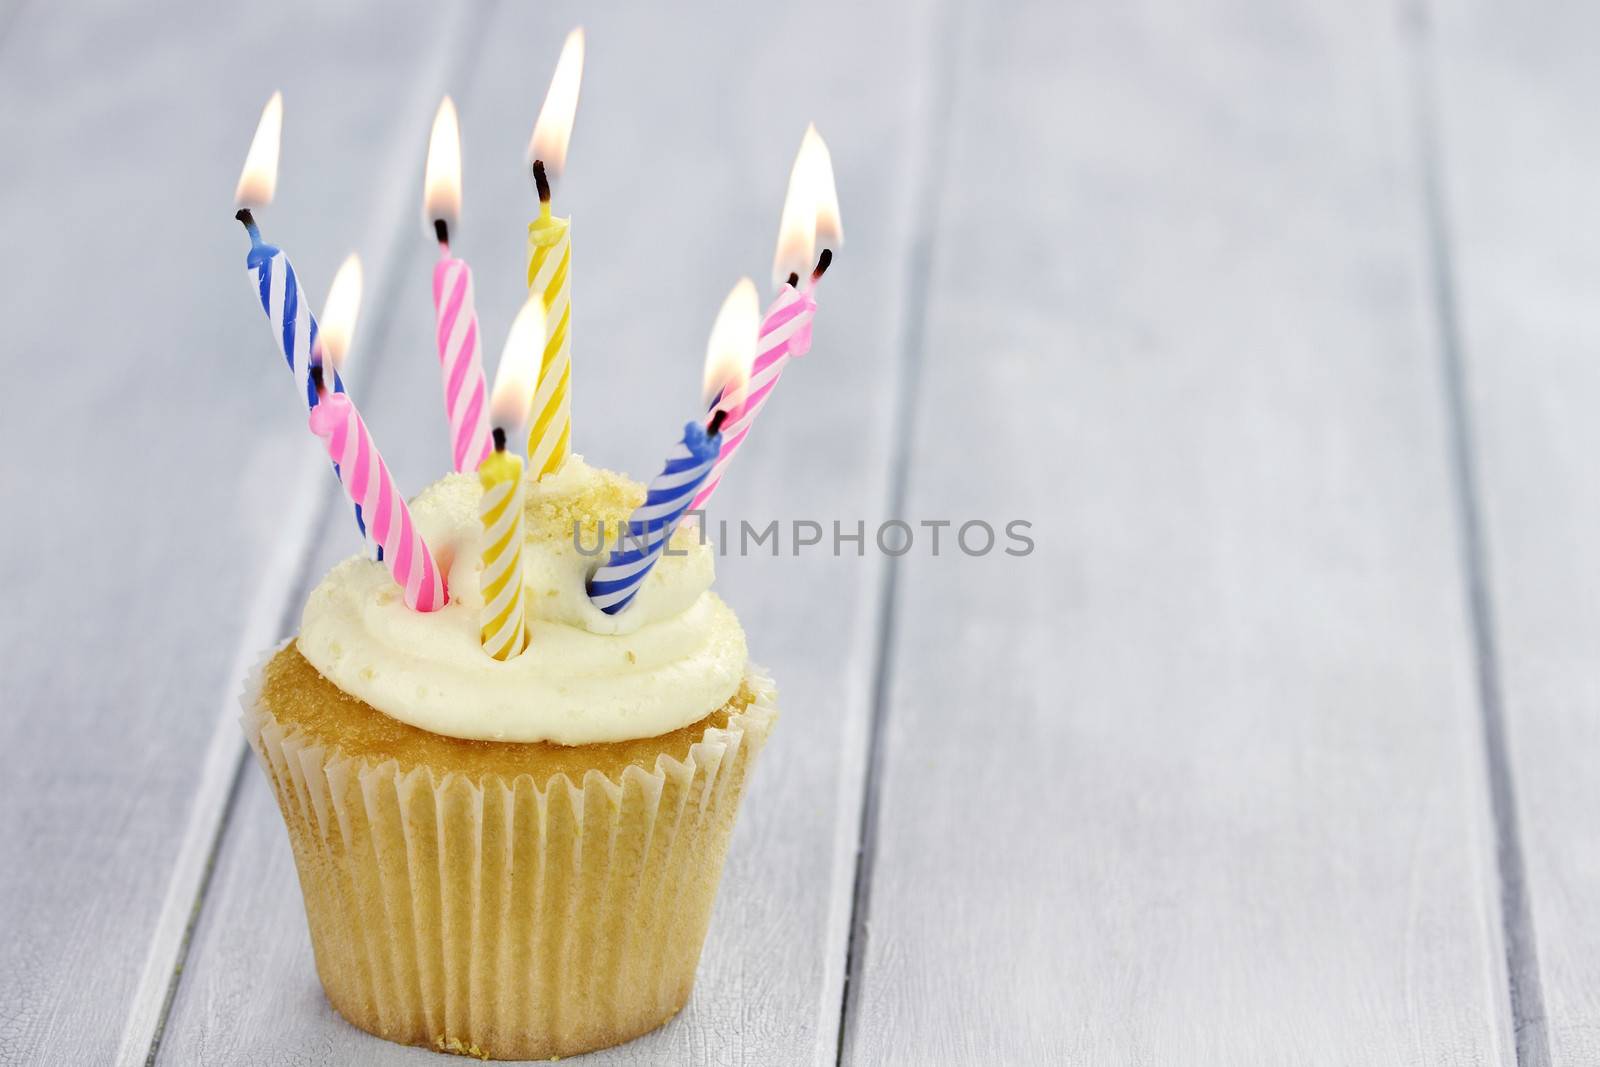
1200	780
676	177
1519	159
154	474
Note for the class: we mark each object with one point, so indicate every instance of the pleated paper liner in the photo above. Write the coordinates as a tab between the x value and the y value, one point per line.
509	919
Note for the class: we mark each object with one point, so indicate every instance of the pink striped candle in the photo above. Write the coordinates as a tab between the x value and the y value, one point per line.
785	334
367	481
465	394
810	218
456	316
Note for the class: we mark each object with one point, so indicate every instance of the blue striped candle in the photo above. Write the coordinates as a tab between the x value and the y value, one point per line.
294	328
614	585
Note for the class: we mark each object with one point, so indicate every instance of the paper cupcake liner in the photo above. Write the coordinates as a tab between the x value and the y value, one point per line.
510	920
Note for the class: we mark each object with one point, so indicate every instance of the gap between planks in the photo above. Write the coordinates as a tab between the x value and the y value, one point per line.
1528	1020
285	574
944	71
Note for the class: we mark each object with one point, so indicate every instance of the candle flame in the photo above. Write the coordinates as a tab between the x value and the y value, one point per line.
259	179
338	322
518	373
732	347
829	224
810	211
441	178
554	128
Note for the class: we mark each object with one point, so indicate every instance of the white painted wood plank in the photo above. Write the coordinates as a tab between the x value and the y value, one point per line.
1199	781
1520	163
280	578
159	480
689	120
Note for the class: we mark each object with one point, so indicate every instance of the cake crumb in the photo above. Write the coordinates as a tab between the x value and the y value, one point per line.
456	1047
610	499
631	657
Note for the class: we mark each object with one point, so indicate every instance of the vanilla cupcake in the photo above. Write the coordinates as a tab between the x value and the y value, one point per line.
512	859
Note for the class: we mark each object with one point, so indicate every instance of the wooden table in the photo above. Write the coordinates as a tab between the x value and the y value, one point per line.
1278	321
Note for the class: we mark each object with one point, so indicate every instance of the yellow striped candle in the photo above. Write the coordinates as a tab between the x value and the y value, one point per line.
549	277
502	622
503	626
550	266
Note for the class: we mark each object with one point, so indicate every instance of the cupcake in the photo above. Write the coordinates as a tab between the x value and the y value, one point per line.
512	859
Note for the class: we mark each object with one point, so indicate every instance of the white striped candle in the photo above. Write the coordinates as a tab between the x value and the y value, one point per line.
294	328
810	216
550	277
461	365
455	312
502	621
502	626
614	585
785	334
272	278
550	265
367	482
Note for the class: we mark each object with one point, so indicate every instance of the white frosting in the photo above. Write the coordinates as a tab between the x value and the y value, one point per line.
676	653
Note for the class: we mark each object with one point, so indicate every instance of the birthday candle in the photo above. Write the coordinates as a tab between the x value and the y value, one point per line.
272	277
455	312
613	586
338	325
550	265
785	333
367	482
810	216
503	629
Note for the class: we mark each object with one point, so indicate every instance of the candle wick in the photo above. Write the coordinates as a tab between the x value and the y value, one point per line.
499	439
717	419
824	261
541	181
441	230
249	220
794	280
317	382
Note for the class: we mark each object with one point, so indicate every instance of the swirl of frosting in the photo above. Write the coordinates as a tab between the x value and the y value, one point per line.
674	656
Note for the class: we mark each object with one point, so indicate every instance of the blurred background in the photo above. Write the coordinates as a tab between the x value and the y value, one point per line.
1274	319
